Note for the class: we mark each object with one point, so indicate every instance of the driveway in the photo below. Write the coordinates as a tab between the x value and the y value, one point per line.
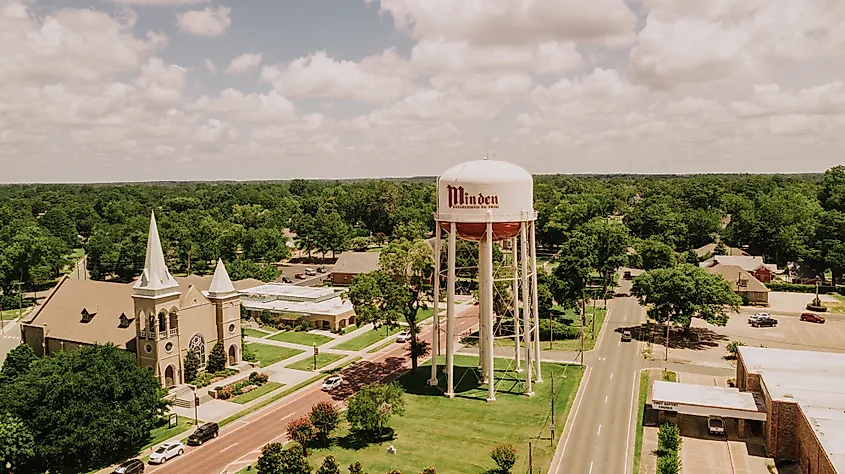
701	453
793	302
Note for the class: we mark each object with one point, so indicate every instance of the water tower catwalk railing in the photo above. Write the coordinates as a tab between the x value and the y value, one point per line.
520	270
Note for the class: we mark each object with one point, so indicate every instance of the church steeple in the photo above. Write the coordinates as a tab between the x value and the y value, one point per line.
155	278
221	284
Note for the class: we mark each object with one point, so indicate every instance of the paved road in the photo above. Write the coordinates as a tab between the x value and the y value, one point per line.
240	443
600	434
10	337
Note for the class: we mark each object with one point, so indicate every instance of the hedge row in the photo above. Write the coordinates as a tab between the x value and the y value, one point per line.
796	288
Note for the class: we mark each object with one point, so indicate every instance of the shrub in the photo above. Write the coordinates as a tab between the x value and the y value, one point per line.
796	288
225	393
733	348
429	470
303	326
668	464
217	358
192	364
258	378
816	305
356	468
561	331
504	455
668	439
302	431
329	466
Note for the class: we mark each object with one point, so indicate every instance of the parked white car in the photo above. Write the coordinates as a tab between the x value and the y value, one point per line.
310	272
332	383
166	452
404	336
715	425
754	317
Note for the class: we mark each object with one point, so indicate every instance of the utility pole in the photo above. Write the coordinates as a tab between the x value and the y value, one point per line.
316	351
553	410
530	458
196	408
583	323
668	321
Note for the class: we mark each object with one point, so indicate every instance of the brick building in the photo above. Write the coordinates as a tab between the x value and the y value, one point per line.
804	397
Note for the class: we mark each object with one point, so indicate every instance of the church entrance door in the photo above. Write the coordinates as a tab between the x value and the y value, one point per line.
232	355
168	377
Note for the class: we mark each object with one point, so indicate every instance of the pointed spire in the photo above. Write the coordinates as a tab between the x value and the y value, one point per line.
155	276
221	284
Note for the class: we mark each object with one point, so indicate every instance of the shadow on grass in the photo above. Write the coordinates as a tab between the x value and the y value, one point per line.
467	382
357	440
698	339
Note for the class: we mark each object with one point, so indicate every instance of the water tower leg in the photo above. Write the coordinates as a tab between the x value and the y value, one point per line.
482	310
534	307
450	314
515	274
526	304
435	307
488	313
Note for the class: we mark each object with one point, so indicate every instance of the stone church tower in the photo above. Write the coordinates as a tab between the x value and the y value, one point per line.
172	319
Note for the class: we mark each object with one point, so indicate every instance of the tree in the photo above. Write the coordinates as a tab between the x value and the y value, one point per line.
691	257
302	431
17	446
192	366
356	468
668	464
359	244
370	409
609	240
325	417
332	232
832	192
275	459
429	470
504	455
329	466
668	439
18	362
60	225
217	358
684	292
294	461
241	269
572	275
656	254
733	348
85	408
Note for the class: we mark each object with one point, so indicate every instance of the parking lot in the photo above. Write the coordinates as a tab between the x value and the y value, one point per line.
290	270
707	343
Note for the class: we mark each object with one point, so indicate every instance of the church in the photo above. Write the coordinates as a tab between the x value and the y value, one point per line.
159	318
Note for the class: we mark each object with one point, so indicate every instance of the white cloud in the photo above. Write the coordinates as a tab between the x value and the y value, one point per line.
322	76
205	22
244	63
439	56
513	22
160	3
210	66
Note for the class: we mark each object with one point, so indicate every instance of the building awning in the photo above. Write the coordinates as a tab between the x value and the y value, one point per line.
706	400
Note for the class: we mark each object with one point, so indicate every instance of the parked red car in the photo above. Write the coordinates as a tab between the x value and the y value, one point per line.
301	276
812	317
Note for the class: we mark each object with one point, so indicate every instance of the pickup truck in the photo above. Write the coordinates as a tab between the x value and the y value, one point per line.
715	425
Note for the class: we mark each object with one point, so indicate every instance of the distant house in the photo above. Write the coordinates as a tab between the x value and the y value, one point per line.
710	249
762	271
742	283
800	272
351	264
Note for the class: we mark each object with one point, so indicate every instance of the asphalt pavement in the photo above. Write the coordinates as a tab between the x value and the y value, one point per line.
240	443
599	436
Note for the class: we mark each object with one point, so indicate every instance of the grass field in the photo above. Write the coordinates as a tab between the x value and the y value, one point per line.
255	333
10	314
301	337
380	346
571	344
456	435
638	442
267	354
262	390
323	359
163	433
367	339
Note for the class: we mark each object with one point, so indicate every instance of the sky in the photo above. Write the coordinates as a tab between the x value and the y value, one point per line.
151	90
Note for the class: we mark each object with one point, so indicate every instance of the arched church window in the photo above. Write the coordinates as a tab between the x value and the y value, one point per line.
197	345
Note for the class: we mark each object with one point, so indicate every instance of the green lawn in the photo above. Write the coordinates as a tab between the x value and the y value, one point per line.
425	314
456	435
262	390
10	314
267	354
163	433
255	333
570	345
301	337
380	346
669	376
638	442
367	339
323	359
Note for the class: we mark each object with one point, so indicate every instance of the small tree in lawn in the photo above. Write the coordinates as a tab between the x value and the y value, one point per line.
192	365
294	461
356	468
371	408
504	455
668	439
302	431
733	349
270	461
325	417
329	466
429	470
668	464
217	358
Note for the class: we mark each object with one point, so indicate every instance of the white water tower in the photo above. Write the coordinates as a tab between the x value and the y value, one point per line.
489	202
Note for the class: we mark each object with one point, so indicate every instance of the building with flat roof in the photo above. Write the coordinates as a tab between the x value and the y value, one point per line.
804	395
320	307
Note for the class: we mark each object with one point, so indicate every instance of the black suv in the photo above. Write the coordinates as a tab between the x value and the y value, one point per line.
203	433
764	321
132	466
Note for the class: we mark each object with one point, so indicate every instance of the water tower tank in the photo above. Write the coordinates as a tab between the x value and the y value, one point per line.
466	192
